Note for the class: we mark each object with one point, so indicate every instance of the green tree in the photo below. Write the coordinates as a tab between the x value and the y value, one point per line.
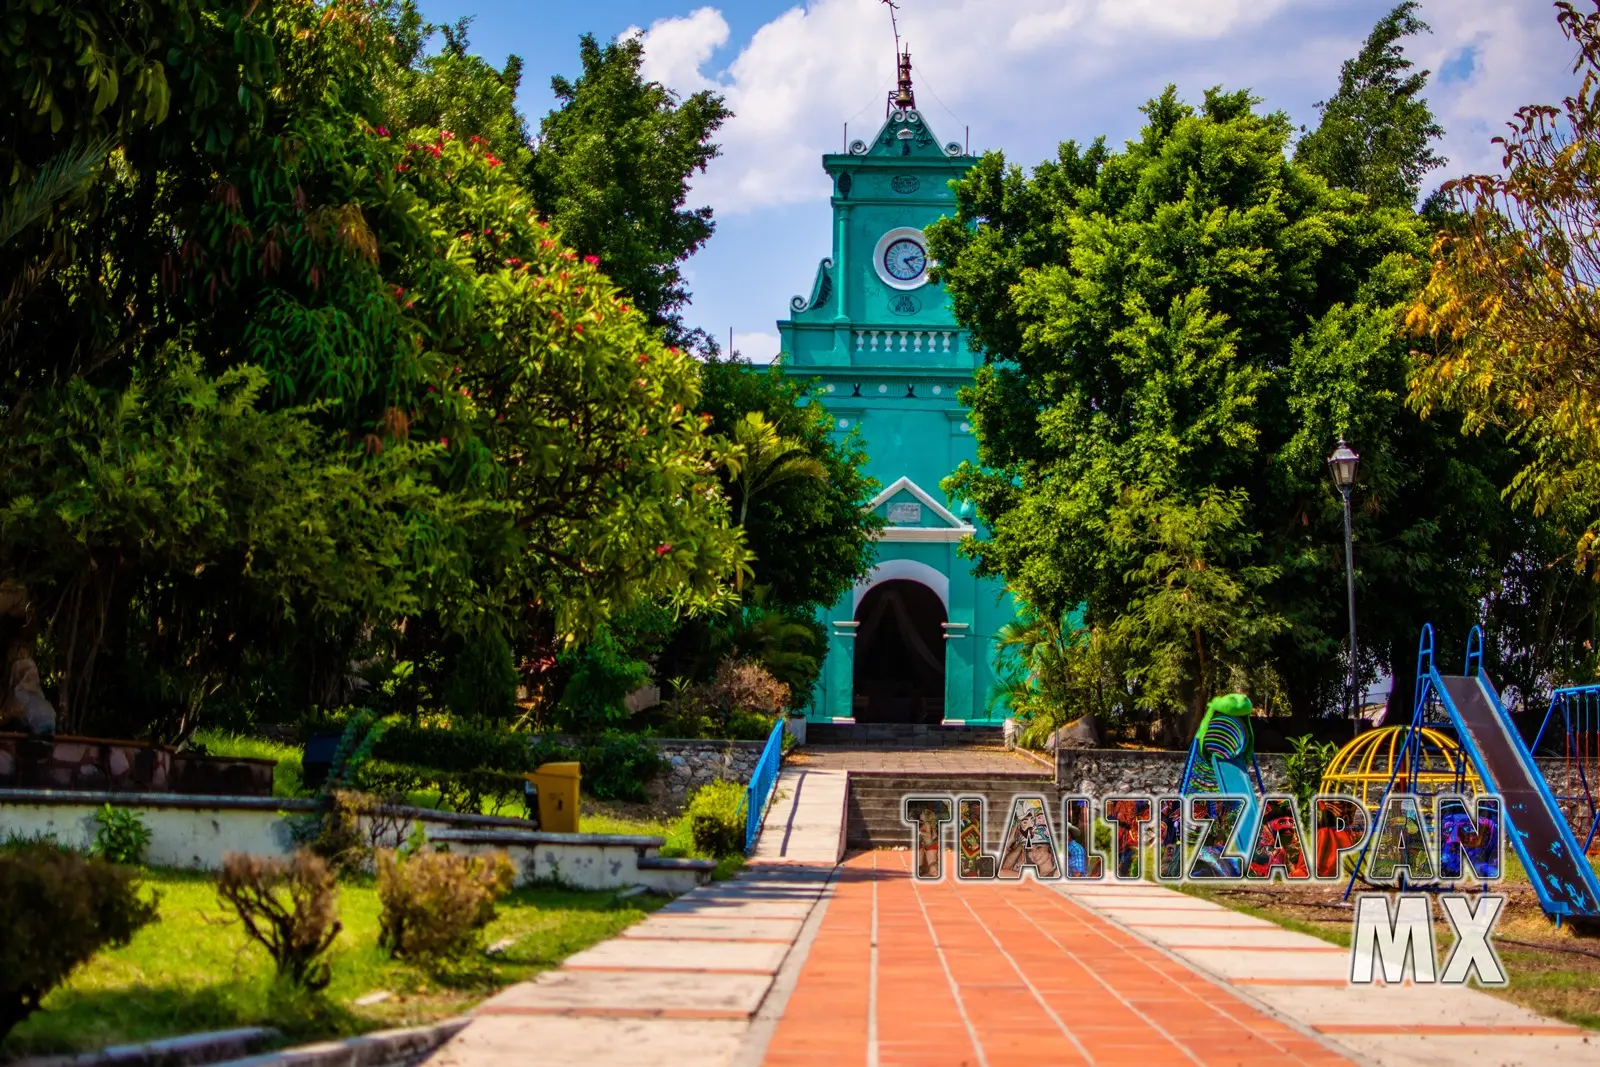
611	170
1377	132
455	89
518	439
812	536
1176	333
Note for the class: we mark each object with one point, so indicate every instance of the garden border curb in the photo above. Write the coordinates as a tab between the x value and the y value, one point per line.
382	1048
189	1050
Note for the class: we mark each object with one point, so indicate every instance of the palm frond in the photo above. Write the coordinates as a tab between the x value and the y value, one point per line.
56	180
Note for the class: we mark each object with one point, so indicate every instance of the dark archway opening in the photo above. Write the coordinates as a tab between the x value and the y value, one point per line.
899	670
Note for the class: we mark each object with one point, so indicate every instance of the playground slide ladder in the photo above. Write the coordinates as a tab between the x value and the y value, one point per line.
1549	851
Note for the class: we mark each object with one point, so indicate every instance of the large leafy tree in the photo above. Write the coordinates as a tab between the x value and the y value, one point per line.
610	172
520	439
1377	132
1175	335
1509	315
810	533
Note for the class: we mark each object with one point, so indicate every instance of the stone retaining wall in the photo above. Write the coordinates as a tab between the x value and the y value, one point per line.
691	764
1100	772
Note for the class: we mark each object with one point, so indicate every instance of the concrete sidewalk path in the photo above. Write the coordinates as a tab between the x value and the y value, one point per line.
805	823
1305	980
700	981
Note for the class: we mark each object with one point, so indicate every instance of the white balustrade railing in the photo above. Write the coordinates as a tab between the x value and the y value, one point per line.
905	340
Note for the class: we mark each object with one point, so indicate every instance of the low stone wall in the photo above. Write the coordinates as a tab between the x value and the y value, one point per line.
97	764
195	833
691	764
1100	772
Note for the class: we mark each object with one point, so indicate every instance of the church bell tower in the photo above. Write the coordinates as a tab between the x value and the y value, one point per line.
913	642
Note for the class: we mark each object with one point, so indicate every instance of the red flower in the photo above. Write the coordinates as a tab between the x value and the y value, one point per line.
513	261
474	139
435	150
643	358
446	135
383	131
663	548
445	441
593	261
488	157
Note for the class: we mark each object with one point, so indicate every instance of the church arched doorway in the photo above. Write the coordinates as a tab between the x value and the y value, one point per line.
899	661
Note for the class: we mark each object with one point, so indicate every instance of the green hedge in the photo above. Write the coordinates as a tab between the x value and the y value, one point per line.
469	764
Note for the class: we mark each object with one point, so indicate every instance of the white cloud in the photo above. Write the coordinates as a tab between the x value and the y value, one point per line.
676	48
803	74
1035	72
756	346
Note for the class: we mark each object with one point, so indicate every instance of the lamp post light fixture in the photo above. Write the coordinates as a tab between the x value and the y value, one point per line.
1342	465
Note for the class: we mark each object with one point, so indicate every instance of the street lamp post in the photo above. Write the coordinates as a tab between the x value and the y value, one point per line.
1342	464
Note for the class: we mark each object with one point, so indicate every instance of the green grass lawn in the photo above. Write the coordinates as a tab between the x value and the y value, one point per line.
286	776
193	970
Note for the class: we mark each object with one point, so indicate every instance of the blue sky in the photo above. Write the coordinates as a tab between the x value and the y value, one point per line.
1023	75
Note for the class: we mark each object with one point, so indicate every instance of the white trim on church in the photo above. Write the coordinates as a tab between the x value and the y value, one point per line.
954	530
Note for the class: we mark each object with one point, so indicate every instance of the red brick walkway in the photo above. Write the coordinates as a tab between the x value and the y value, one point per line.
904	973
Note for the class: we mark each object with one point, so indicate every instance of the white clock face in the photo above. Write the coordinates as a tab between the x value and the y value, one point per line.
900	259
905	259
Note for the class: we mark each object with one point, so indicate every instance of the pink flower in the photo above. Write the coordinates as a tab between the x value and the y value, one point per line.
383	131
593	261
663	549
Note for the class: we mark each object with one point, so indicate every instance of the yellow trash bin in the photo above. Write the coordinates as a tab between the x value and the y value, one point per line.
558	796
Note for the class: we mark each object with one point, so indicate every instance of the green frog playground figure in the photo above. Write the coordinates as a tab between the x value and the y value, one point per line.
1222	756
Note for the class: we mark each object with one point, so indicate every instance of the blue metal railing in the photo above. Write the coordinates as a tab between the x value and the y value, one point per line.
762	782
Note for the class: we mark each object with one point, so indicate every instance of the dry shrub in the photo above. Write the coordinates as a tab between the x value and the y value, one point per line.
291	908
744	685
57	910
435	903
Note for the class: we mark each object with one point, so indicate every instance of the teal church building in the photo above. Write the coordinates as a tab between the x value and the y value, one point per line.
914	641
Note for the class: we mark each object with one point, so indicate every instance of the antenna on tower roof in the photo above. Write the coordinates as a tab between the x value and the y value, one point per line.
902	97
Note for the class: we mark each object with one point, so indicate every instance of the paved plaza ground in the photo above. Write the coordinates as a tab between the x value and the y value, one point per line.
976	760
811	957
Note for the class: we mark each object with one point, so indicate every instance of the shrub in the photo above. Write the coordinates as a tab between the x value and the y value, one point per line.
120	836
749	726
744	685
289	908
59	909
435	903
481	679
457	748
466	791
1308	759
717	817
617	766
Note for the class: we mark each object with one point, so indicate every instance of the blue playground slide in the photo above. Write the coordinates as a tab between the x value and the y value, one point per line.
1555	862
